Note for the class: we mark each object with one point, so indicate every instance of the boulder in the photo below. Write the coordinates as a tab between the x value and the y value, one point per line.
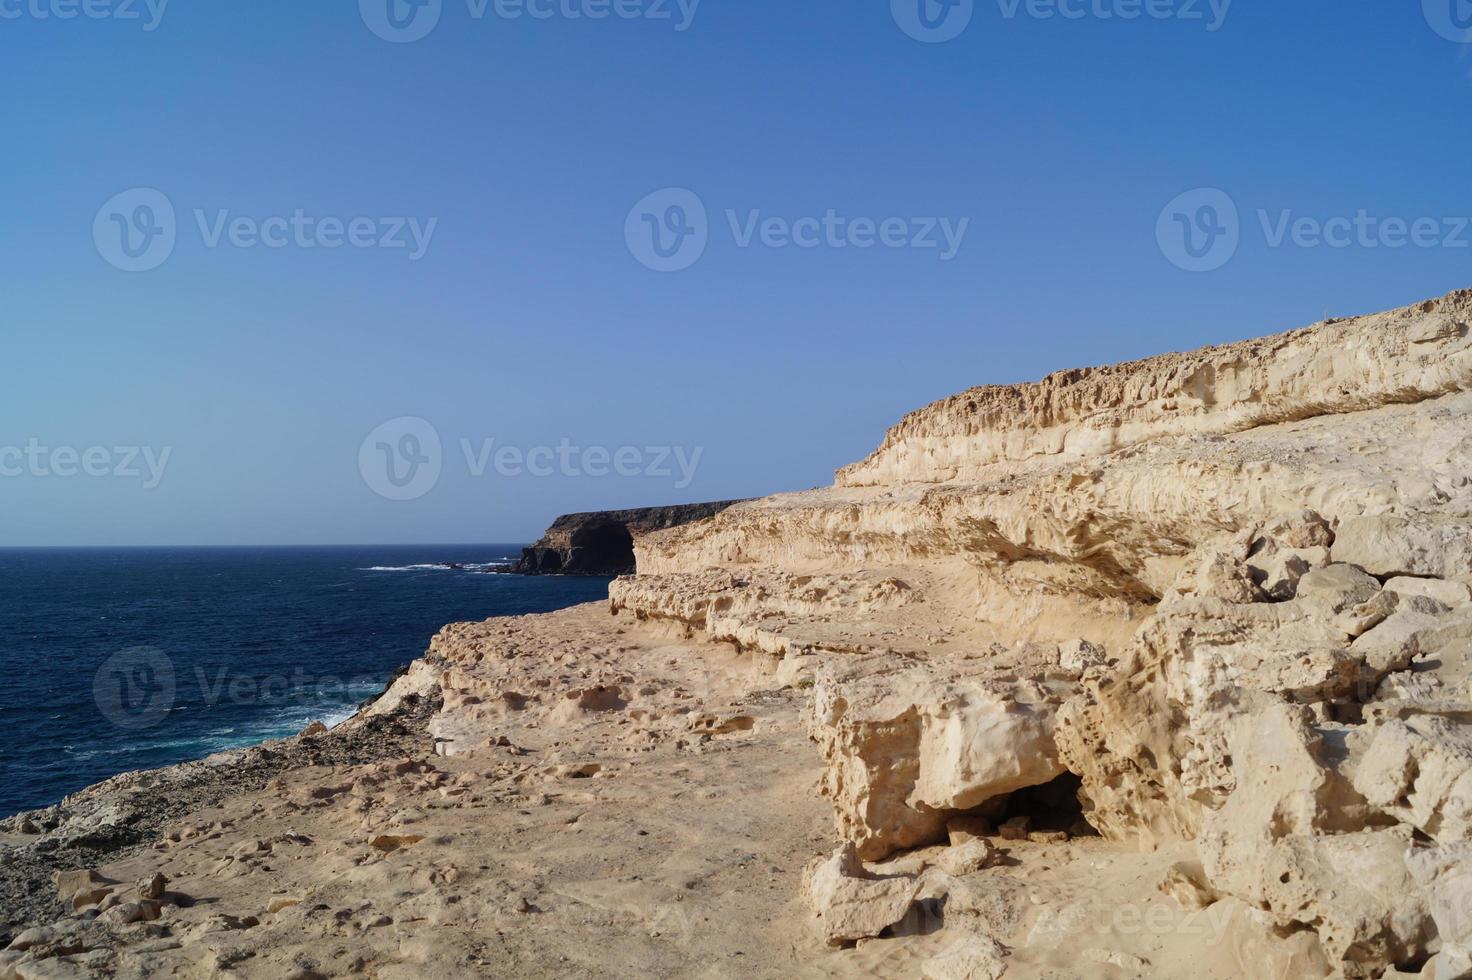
1388	545
909	745
1419	771
1445	875
850	903
1450	593
972	856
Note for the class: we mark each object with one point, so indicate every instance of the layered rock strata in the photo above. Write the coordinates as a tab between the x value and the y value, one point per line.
1266	550
1156	670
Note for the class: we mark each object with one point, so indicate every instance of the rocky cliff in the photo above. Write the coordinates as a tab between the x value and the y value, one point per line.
1157	670
602	542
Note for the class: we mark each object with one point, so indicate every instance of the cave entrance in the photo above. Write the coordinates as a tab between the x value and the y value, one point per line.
1054	805
607	549
1051	806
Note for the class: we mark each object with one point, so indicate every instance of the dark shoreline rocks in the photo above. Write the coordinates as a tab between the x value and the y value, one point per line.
602	542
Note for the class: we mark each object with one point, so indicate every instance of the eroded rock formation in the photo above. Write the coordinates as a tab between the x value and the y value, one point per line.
1269	544
1157	670
602	542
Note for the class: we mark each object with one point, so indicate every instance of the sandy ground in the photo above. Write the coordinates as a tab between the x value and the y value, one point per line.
662	836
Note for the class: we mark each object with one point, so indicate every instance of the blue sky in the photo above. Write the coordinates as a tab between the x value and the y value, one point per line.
529	320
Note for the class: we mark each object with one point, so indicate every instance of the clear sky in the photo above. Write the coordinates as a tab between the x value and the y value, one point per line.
247	378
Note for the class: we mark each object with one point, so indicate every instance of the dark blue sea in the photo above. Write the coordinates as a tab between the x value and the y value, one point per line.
115	660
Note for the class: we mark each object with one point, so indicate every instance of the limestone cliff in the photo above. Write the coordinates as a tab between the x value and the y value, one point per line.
1227	592
1156	670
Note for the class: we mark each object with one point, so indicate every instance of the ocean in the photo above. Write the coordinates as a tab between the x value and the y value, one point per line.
113	660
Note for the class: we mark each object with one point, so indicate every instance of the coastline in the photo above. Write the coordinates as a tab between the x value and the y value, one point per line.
160	656
124	814
1162	669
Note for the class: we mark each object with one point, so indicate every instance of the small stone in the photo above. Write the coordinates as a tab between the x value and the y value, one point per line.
38	936
1048	836
972	856
152	886
388	843
1305	529
314	729
1077	656
130	912
1016	828
968	826
72	884
84	899
1185	882
1119	958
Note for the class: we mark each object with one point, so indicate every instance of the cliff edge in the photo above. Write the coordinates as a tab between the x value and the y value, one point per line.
602	542
1156	670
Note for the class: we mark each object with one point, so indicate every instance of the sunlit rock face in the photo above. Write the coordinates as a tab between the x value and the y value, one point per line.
1156	670
1228	590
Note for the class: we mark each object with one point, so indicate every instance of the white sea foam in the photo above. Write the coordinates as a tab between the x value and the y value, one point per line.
469	566
405	568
